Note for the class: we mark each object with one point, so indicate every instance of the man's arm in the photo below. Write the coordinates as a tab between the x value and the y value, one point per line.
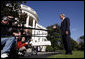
17	34
67	25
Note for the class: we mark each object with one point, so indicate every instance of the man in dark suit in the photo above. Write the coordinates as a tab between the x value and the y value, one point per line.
65	32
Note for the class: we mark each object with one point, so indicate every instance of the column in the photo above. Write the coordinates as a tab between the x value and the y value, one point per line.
27	21
33	23
33	30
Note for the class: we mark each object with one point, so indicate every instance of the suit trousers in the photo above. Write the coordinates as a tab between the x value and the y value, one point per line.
67	43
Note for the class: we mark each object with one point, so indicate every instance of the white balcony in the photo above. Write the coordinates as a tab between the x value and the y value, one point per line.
44	43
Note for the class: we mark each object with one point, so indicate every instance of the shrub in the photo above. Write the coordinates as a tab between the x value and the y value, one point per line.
49	49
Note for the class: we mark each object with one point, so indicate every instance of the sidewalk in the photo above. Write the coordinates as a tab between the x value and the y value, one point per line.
41	55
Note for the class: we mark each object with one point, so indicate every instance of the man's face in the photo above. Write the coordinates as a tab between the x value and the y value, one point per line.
23	39
61	17
5	21
26	30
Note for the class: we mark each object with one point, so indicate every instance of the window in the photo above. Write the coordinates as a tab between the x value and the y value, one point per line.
39	40
35	23
30	21
45	39
35	40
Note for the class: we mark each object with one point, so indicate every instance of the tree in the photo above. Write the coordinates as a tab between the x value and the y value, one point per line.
55	37
13	8
81	42
74	44
82	37
10	7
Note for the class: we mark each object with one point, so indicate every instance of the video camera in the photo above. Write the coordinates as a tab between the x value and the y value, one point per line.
12	20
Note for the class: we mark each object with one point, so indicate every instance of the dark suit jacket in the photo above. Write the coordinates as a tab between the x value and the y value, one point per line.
65	26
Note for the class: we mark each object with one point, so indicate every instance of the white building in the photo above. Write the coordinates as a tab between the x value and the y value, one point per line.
32	21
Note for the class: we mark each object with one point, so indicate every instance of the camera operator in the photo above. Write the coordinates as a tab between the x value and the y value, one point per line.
7	36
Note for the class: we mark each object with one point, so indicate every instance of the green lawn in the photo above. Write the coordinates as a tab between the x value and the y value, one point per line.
76	54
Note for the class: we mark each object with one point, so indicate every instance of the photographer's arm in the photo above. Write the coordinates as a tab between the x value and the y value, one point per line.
17	34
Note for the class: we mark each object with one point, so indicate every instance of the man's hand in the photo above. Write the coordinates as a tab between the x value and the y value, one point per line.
54	27
67	32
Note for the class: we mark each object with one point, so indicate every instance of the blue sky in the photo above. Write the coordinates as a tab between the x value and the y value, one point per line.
49	11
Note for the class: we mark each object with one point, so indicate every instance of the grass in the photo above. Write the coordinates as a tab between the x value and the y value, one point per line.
76	54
